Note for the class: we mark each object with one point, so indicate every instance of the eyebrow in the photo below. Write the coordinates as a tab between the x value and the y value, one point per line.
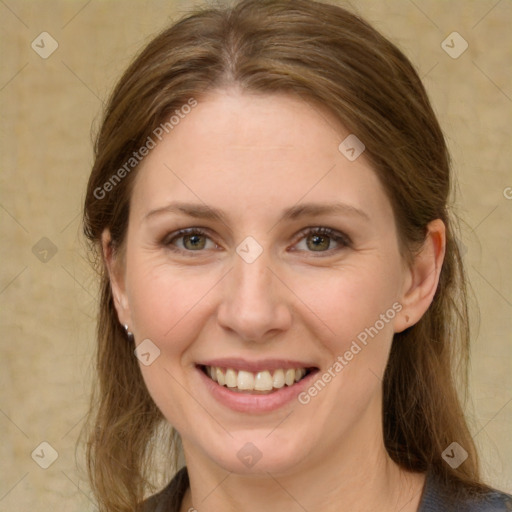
203	211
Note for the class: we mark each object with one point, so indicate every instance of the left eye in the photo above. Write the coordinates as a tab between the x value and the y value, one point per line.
320	239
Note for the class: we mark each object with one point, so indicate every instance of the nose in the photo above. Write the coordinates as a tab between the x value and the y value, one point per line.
255	302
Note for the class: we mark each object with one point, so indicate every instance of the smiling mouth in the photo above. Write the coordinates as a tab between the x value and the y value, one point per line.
262	382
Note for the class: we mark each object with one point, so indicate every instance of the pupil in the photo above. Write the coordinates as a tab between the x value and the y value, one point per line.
317	242
194	240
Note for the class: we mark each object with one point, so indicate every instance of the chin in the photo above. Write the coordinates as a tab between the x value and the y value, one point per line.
257	453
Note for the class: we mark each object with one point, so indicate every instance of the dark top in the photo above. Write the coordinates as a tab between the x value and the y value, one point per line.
435	498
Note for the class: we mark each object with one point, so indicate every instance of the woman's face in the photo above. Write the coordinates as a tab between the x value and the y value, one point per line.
262	289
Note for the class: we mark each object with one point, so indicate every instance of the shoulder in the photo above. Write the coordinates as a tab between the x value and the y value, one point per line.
437	497
169	499
441	497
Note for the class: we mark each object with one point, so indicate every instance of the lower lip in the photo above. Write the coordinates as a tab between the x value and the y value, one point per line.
245	402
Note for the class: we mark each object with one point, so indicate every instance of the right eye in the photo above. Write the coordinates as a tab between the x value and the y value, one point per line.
193	240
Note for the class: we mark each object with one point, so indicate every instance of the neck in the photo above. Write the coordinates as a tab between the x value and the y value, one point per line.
393	489
356	475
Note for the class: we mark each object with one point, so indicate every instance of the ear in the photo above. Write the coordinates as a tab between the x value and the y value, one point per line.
115	268
422	277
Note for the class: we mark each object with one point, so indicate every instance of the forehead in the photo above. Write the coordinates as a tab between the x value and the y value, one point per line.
256	154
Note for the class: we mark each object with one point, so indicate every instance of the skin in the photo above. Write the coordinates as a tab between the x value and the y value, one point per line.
254	156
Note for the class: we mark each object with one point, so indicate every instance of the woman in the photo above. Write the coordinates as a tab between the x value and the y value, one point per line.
281	282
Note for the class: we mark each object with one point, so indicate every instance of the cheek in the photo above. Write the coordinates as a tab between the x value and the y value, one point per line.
170	307
350	304
163	299
353	317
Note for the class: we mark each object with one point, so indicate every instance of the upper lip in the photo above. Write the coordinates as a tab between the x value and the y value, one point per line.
255	366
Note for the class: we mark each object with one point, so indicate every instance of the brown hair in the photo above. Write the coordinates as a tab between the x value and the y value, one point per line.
325	54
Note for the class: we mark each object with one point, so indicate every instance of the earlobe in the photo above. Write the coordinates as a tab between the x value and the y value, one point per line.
115	273
422	277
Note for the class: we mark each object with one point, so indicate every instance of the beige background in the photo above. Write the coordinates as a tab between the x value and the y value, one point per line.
47	308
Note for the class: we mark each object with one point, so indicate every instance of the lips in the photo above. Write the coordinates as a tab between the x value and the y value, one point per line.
255	377
258	387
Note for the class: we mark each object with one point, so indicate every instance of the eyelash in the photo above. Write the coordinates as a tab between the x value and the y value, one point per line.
336	236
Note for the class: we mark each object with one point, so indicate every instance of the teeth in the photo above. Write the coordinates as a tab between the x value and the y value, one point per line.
220	376
260	381
278	379
245	380
263	381
231	378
